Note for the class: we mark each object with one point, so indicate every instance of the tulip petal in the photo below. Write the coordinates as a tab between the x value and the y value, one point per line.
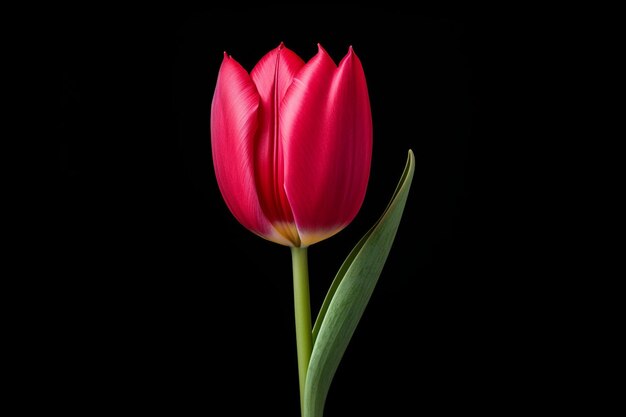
274	72
234	121
272	76
326	127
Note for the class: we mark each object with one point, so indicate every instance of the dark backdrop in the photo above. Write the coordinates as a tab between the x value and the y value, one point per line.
163	302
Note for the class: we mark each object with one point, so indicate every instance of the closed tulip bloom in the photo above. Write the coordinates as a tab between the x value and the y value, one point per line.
292	144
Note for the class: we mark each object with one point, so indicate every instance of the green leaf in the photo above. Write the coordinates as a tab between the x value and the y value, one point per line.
348	296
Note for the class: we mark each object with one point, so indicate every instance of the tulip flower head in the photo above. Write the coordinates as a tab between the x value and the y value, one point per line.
292	144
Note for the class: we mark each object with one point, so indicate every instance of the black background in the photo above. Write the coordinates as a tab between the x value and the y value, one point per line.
163	302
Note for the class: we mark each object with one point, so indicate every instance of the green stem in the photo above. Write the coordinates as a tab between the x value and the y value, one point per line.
302	305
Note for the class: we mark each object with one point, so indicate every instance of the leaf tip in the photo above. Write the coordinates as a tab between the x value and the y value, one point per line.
410	162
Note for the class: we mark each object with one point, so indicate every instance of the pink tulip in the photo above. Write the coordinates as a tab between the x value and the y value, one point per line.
292	144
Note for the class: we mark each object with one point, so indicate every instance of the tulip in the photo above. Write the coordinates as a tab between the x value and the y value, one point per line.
292	147
292	144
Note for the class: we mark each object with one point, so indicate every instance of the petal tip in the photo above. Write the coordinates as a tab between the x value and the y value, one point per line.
321	51
351	54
